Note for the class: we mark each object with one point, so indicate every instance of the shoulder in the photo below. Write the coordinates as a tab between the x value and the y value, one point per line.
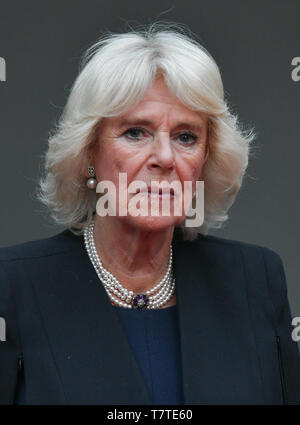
258	263
262	266
250	251
64	241
27	262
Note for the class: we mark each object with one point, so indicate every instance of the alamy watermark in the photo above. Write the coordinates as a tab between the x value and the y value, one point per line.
2	329
296	71
2	69
296	330
155	199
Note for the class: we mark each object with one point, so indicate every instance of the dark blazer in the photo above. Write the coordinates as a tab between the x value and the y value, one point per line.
234	317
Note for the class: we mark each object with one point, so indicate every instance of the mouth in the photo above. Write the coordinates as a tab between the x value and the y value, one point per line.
159	191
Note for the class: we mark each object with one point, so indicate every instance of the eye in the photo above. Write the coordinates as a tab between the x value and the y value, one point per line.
134	132
188	138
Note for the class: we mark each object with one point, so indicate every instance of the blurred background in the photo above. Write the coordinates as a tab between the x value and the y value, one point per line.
253	43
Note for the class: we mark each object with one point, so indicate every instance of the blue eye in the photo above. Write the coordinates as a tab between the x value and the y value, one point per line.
188	138
134	132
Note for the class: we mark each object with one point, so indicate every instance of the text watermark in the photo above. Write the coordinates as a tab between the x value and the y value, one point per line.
165	198
296	330
296	71
2	329
2	69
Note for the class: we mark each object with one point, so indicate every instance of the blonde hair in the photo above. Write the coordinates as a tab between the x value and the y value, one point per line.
115	72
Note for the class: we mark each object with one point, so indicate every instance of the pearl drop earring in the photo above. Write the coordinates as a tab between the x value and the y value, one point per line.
91	182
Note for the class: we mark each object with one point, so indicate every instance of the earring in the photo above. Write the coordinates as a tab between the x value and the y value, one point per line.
91	182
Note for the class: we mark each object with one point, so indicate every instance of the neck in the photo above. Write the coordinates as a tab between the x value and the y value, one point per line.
138	258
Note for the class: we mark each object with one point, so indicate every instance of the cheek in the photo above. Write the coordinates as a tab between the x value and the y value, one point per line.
197	165
106	164
113	159
197	171
191	168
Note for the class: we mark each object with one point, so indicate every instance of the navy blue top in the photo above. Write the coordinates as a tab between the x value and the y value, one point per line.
154	338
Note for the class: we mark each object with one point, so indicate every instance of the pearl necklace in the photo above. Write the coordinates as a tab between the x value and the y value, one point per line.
120	295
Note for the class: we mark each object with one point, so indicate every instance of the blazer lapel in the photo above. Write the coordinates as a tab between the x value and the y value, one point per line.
219	359
93	358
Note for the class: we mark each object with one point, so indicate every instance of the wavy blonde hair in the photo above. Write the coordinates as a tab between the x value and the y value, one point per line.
114	74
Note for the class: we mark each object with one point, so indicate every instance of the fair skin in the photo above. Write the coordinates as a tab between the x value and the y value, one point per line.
170	146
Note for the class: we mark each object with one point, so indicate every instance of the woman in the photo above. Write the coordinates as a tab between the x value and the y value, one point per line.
144	308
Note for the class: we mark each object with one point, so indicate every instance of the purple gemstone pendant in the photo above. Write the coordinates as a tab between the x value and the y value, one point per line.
140	301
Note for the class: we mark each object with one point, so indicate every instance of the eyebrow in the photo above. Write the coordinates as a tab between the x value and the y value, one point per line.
195	126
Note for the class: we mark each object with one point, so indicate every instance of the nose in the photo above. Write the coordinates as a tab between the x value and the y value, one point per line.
162	155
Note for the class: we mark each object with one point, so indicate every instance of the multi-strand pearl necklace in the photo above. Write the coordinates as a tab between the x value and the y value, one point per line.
120	295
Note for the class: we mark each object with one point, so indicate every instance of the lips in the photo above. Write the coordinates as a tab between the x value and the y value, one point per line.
160	190
156	190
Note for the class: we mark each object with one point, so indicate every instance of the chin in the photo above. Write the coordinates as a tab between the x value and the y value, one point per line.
153	224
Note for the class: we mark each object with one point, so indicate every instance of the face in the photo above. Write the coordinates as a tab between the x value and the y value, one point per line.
157	140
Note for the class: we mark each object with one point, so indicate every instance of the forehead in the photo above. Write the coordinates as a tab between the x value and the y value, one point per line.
160	92
158	98
159	105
